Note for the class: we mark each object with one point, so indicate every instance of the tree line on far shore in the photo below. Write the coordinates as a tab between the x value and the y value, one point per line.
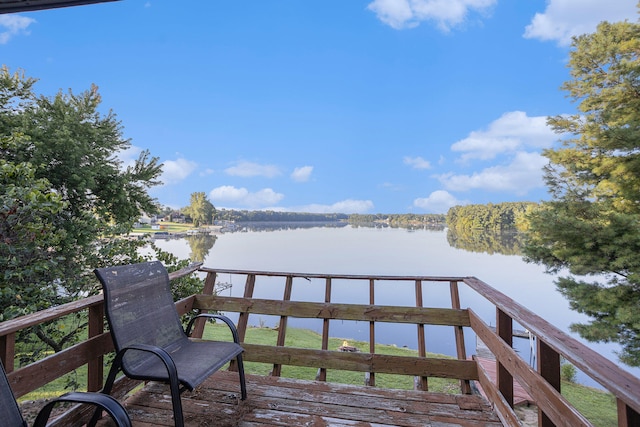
508	216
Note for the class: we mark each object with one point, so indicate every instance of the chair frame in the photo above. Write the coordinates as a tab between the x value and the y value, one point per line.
176	386
101	401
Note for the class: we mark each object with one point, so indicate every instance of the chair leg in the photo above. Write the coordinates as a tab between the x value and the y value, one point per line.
108	385
243	384
178	417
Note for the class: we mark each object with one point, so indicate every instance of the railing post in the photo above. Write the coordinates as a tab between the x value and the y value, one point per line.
504	328
465	385
95	366
421	383
370	377
322	372
208	288
627	417
243	318
549	369
282	329
8	351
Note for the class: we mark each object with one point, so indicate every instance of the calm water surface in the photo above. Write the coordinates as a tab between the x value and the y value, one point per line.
388	251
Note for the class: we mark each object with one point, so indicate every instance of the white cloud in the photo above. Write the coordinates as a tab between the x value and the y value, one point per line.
348	206
523	174
417	162
438	202
129	156
563	19
446	14
302	174
12	25
250	169
512	132
245	198
174	171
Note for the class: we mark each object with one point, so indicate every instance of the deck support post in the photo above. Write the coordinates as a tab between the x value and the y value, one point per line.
282	329
504	328
465	385
627	417
8	351
420	383
243	317
370	377
209	286
95	366
549	368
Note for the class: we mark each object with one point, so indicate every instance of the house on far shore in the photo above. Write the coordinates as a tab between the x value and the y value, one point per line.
175	216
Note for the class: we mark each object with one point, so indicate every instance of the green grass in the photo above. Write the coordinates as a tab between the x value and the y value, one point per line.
597	406
171	227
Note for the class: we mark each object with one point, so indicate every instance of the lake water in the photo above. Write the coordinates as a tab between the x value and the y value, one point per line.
390	251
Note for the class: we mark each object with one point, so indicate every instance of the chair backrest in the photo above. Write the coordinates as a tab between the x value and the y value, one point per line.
9	410
139	307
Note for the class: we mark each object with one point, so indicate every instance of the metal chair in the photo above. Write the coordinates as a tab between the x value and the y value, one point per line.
12	417
148	336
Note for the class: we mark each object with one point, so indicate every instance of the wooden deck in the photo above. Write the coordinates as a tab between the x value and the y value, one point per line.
277	401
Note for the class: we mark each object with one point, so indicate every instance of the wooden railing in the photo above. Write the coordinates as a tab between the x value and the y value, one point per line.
543	383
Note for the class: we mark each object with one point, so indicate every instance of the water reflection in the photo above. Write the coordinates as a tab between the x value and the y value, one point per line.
486	241
200	244
278	226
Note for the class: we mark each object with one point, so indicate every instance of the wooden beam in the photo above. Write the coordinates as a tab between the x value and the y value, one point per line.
362	362
370	313
556	406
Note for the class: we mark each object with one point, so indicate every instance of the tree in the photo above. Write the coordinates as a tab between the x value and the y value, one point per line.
28	232
65	197
201	210
591	226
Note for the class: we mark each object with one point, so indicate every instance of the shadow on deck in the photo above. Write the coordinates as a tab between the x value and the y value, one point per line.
276	401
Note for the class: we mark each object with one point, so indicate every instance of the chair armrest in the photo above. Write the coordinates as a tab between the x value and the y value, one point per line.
157	351
224	318
107	403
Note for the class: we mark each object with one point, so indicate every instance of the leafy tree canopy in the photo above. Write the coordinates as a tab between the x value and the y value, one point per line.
591	227
201	210
65	197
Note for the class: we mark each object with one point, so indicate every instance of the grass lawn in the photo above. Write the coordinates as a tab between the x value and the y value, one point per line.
171	227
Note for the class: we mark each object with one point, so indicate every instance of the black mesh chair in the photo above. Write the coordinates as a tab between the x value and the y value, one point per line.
11	416
148	336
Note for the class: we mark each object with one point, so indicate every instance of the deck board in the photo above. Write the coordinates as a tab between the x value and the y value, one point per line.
276	401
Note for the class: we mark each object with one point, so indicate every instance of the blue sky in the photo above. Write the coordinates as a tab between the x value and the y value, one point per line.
372	106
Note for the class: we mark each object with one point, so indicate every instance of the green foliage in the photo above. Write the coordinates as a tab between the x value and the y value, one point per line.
201	210
508	216
568	372
400	220
591	226
29	235
64	198
273	216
